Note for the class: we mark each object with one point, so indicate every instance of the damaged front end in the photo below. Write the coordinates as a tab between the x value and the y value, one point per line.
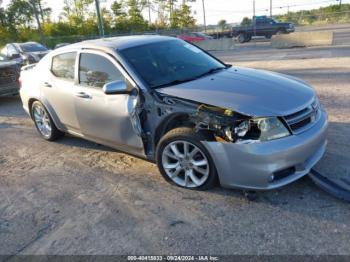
247	151
160	113
227	125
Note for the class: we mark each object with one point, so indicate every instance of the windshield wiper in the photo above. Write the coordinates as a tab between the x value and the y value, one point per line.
211	71
177	81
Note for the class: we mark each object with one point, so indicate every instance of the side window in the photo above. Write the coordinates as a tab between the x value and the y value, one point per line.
63	65
96	70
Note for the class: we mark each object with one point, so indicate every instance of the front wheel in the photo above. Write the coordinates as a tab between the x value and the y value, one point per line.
183	160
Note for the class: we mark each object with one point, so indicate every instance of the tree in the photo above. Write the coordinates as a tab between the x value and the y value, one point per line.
19	13
246	21
222	24
76	11
45	12
117	9
183	17
3	18
135	18
34	10
162	16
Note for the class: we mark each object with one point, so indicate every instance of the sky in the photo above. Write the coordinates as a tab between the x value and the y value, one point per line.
230	10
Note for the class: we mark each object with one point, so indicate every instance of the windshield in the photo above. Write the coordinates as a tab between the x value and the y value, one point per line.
32	47
170	62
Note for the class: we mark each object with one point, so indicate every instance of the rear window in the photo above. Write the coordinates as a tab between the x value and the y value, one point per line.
63	65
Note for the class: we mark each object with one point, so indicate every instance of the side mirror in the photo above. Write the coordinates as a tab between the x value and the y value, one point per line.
116	87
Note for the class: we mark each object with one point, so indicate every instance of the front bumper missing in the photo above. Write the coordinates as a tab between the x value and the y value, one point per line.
250	166
338	188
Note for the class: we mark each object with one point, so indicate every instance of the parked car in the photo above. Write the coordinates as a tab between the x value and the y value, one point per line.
165	100
61	45
194	37
29	52
9	75
261	26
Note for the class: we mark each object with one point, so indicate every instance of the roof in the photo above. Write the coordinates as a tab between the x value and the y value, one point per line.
29	42
119	43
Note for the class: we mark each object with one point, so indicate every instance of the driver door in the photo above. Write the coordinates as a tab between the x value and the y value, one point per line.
108	119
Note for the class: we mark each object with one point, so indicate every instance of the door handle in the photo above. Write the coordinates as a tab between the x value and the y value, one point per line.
46	84
83	95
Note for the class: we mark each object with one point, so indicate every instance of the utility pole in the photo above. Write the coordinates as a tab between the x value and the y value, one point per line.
99	19
254	18
149	12
253	8
205	23
271	8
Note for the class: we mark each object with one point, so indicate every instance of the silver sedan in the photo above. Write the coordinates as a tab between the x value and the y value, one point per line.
167	101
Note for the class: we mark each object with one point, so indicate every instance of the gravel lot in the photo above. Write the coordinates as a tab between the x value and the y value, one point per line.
76	197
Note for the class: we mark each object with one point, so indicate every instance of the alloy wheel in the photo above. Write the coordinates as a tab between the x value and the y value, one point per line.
185	164
42	120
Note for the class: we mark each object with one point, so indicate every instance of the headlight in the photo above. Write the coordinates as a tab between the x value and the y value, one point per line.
261	129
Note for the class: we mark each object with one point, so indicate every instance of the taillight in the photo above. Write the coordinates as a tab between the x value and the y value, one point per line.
19	81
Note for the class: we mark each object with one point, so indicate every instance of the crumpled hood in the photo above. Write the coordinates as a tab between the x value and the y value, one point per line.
247	91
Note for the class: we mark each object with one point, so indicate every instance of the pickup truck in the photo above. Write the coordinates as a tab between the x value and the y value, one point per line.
261	26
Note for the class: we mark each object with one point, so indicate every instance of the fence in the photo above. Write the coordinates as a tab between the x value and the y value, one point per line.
304	18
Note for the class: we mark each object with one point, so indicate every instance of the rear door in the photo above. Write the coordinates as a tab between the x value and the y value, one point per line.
58	89
107	119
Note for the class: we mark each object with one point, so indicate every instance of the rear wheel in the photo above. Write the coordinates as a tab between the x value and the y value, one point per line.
43	122
241	38
183	160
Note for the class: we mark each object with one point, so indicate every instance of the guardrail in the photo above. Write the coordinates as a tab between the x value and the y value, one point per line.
221	44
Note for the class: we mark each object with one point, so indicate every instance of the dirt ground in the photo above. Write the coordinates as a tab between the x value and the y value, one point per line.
76	197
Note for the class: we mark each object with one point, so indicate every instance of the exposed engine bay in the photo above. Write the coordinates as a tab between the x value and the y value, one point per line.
224	124
230	126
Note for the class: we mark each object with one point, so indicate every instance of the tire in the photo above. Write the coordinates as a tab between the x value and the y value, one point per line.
241	38
179	169
43	122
